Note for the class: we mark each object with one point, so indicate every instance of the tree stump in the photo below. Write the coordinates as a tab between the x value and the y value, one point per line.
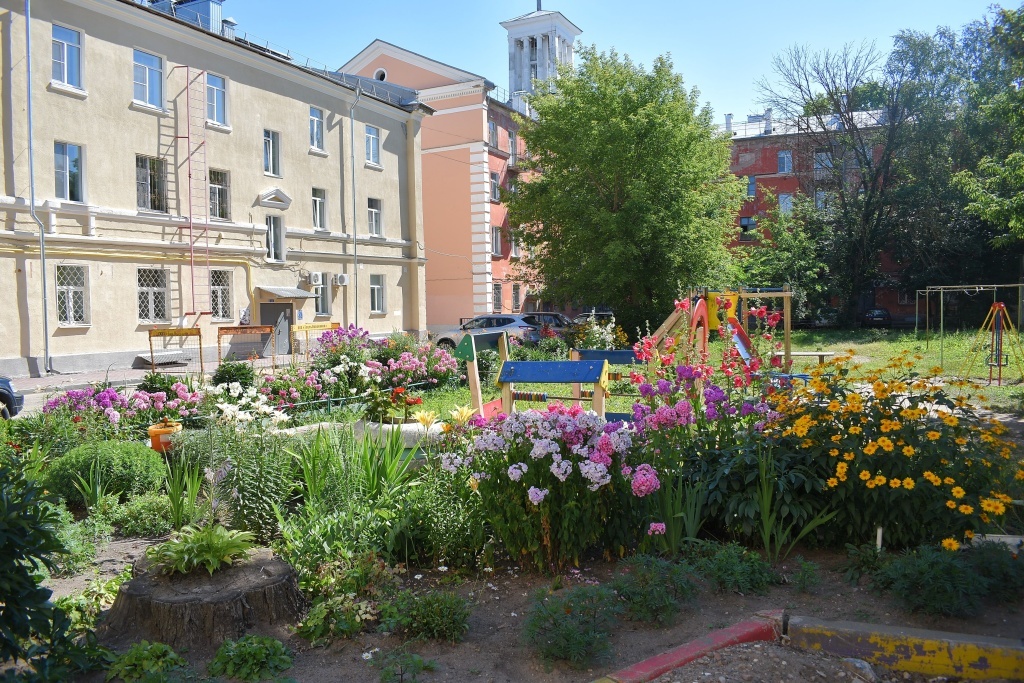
198	611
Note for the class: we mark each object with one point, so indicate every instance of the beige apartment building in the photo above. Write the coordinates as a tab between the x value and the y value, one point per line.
186	175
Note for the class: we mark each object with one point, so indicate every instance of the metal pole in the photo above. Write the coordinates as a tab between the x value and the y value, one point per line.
942	326
355	209
47	368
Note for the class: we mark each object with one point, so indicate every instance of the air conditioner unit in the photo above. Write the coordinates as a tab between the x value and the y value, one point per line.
340	280
316	279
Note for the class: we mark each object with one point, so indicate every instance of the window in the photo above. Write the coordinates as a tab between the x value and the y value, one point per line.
323	295
373	145
272	152
153	295
496	240
822	164
512	148
785	204
513	248
492	134
219	195
316	128
149	79
319	209
72	302
216	99
786	161
820	199
67	56
150	185
220	294
496	297
751	186
373	218
67	171
747	226
376	294
495	187
275	239
516	303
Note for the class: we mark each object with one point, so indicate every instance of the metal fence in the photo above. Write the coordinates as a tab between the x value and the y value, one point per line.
256	344
176	351
304	336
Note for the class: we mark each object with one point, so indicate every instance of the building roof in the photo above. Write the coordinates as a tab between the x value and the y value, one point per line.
382	46
540	14
396	96
760	125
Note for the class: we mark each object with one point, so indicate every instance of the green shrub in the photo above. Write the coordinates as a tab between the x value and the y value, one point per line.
146	661
79	540
652	588
259	478
572	625
211	547
58	431
864	560
449	516
232	371
126	467
401	666
250	658
731	567
31	628
434	615
806	577
337	616
155	382
148	515
935	581
1003	569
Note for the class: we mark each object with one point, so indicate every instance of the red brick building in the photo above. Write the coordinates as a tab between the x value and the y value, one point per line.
778	161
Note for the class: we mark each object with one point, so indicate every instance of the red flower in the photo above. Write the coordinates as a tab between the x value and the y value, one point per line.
413	401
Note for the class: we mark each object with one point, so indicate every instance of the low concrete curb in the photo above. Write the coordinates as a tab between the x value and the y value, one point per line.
935	653
765	626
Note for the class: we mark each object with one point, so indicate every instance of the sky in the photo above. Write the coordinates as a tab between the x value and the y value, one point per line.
721	48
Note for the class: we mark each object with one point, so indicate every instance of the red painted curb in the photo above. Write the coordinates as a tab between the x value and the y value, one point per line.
764	628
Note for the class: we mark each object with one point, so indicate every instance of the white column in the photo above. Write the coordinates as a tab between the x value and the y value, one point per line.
526	84
512	64
542	67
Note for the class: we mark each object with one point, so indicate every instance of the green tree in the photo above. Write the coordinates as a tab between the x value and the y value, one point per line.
633	198
786	252
996	186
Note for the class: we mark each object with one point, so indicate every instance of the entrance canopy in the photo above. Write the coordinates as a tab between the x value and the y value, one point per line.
288	292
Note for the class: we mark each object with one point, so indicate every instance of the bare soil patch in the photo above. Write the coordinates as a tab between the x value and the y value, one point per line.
493	650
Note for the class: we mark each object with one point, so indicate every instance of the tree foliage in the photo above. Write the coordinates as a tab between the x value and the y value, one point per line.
633	198
996	186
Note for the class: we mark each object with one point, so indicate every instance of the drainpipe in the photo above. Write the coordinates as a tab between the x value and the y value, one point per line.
32	187
355	209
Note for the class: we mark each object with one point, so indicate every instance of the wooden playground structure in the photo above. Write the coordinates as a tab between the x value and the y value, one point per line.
590	367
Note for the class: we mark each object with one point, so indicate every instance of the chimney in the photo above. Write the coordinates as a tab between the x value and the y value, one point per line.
538	5
768	121
728	123
228	28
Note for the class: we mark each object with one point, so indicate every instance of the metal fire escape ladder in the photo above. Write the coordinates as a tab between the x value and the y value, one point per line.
193	132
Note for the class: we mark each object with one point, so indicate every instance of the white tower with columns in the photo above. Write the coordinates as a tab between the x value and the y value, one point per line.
538	43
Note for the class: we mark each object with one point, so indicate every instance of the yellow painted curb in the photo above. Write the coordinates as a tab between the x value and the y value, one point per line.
935	653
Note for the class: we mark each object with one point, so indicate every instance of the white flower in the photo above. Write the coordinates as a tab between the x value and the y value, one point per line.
418	577
442	569
488	569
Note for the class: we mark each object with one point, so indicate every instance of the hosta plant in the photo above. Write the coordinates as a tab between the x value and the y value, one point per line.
210	547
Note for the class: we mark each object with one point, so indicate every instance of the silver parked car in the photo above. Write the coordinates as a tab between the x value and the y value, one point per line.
516	324
555	321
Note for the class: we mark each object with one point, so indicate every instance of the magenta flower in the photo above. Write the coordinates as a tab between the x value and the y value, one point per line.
656	528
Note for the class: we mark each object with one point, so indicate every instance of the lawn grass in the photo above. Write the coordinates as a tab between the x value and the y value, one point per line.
874	347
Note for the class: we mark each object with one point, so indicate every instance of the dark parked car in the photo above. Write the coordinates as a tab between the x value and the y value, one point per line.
877	317
554	321
10	400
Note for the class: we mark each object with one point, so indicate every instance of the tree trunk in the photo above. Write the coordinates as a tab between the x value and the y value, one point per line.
198	611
